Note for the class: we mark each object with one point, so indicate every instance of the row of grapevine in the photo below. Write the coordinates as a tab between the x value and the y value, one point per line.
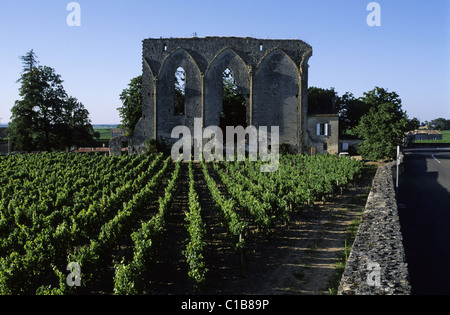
110	213
37	237
226	207
195	249
94	256
258	209
130	277
268	198
301	180
34	206
32	249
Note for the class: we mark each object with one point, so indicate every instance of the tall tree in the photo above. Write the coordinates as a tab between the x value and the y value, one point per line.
39	119
383	127
322	101
379	96
413	124
131	110
440	124
21	128
350	110
29	61
76	127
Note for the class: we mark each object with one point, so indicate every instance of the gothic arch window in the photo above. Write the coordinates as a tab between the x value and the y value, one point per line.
179	97
226	75
180	92
234	111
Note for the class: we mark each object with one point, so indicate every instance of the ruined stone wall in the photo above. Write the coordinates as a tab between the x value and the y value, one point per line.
272	75
377	264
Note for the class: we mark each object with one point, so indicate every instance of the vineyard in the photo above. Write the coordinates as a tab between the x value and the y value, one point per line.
124	219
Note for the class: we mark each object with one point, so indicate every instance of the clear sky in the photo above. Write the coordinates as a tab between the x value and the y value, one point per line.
409	53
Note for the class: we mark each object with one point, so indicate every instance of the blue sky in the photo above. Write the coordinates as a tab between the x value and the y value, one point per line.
409	53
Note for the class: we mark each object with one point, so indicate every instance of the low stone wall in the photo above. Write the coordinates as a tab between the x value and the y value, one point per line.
377	265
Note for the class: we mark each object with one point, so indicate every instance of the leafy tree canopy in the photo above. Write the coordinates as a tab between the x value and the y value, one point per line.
131	110
46	118
350	110
383	128
322	101
439	124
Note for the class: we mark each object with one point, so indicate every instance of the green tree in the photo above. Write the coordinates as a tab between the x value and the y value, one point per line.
383	128
440	124
20	129
322	101
131	110
379	96
351	110
76	128
39	120
29	61
413	124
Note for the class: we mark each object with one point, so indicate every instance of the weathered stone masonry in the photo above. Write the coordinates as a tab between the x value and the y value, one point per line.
272	75
377	263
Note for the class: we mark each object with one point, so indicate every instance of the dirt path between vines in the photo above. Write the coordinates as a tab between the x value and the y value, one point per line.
300	259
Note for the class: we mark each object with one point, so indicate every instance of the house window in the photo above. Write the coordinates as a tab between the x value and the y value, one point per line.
325	147
322	129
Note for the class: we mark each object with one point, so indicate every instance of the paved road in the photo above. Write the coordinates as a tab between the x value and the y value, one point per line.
424	190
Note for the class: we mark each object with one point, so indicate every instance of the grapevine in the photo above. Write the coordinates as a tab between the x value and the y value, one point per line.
57	208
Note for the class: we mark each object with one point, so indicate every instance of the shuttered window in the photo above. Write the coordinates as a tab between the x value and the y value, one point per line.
322	129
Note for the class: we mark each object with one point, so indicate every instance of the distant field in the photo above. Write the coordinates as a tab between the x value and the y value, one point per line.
446	134
104	131
445	138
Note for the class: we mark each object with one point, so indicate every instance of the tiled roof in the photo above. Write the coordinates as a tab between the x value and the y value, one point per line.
88	150
426	132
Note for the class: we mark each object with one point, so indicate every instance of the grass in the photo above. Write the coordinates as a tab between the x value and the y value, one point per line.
105	133
358	202
335	280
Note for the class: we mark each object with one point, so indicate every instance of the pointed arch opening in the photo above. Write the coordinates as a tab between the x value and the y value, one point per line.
178	87
227	91
234	104
180	92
